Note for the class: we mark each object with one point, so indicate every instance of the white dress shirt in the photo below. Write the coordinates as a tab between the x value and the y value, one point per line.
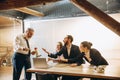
69	49
20	43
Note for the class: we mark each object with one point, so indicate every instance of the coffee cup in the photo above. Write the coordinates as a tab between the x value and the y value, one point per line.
99	69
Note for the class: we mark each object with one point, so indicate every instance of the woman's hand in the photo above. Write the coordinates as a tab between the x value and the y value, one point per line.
45	51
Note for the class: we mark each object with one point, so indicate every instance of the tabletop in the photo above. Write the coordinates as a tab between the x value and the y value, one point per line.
111	71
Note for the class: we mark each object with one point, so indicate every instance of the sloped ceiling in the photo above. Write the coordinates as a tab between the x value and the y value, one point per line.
64	9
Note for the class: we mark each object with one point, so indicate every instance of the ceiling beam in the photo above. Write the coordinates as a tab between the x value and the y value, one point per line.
99	15
12	4
30	11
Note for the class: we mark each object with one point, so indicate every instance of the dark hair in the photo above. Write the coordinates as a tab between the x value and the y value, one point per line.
86	44
70	37
61	45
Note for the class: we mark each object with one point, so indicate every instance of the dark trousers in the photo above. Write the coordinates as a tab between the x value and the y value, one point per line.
98	79
20	61
70	78
45	76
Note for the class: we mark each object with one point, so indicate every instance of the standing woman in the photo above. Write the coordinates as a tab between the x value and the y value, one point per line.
91	55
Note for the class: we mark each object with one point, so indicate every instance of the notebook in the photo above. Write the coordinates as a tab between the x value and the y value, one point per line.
40	63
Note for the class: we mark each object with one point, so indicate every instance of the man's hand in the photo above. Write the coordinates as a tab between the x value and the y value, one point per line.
33	52
73	65
63	59
26	49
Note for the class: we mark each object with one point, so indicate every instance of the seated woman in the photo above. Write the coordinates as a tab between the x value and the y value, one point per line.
92	56
58	48
70	53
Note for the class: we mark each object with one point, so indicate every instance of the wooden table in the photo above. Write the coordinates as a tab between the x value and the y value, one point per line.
111	72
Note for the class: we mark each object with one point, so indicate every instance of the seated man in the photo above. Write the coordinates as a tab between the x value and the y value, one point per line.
70	53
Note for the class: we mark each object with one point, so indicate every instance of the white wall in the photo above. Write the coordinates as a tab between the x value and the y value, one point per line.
49	32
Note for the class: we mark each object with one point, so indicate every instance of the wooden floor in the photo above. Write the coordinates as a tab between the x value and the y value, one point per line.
6	71
6	74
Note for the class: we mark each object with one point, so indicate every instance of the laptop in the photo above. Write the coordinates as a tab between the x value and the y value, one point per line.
40	63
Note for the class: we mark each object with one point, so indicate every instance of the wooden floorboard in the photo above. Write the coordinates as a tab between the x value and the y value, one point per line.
6	74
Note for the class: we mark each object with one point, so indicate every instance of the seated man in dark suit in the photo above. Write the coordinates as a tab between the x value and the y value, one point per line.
70	53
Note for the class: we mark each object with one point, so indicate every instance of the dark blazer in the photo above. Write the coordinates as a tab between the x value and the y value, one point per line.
72	58
97	58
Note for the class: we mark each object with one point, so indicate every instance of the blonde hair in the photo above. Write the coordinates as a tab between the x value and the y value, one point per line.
61	45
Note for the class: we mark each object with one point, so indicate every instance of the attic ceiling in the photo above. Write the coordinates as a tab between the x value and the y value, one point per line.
63	9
